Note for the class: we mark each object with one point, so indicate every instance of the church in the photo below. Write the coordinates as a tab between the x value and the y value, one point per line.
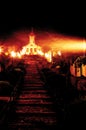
31	48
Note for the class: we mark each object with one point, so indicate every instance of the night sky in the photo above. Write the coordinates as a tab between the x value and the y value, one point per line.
67	18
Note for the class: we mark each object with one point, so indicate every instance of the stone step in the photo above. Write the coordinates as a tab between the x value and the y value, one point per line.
28	88
34	101
34	121
42	91
32	84
36	96
34	109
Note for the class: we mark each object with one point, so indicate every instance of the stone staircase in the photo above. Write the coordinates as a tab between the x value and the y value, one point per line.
34	108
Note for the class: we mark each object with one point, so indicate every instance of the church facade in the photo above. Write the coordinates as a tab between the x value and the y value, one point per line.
31	48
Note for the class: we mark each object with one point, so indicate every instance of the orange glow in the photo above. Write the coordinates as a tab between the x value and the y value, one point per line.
18	55
40	52
20	44
59	53
48	56
1	50
6	53
23	51
76	46
69	45
13	54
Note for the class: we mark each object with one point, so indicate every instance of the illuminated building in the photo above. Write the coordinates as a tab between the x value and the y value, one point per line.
32	48
79	67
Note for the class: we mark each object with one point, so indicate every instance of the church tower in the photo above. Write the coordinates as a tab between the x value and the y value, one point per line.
32	38
32	48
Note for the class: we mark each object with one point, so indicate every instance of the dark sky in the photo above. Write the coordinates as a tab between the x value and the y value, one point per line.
62	17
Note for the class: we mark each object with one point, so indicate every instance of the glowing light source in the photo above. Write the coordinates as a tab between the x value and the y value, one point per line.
6	53
18	55
59	53
48	56
1	50
40	52
23	51
60	45
13	54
